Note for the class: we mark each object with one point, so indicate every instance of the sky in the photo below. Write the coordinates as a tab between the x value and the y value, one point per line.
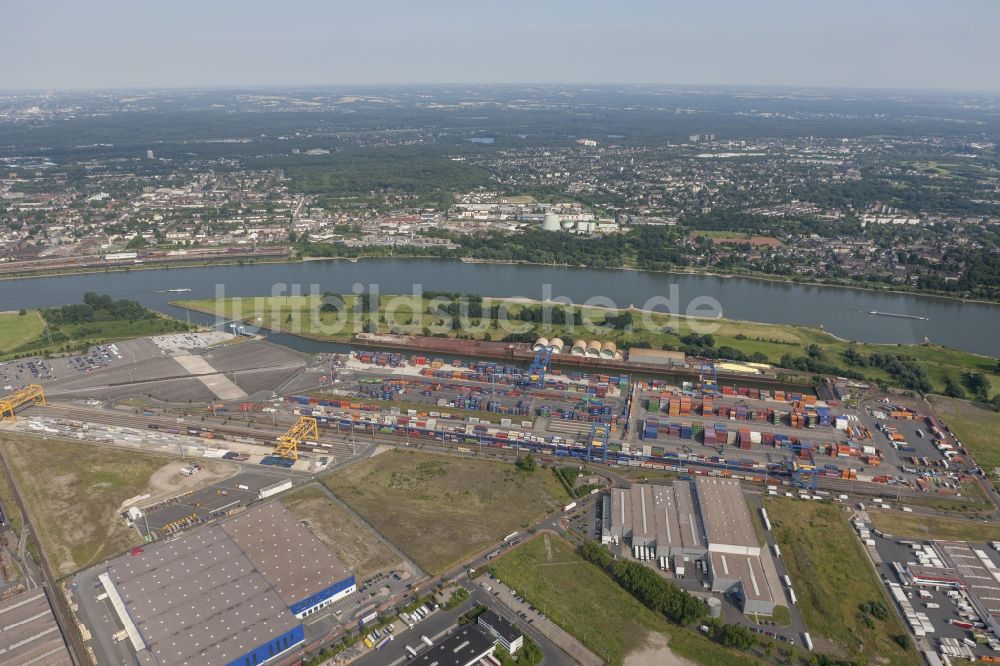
909	44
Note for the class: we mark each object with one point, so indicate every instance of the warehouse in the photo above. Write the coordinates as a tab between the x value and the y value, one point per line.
230	594
656	357
705	519
29	633
659	517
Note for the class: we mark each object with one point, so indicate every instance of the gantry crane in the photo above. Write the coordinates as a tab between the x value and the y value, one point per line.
32	394
540	364
288	444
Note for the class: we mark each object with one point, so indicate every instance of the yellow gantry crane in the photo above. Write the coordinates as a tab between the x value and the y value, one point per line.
32	394
288	444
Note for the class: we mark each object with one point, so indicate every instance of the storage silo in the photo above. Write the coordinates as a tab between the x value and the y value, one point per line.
594	348
579	348
540	343
551	222
557	345
609	349
714	607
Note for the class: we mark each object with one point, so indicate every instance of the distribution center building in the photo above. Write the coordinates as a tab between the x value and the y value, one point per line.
231	594
705	519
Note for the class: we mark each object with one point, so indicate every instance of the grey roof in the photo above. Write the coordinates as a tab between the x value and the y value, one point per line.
747	569
293	561
500	626
199	600
212	595
666	513
467	645
29	633
727	518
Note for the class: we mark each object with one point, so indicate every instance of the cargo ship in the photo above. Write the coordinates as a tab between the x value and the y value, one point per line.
897	314
523	352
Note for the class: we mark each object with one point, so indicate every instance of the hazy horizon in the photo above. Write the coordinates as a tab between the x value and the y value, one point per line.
893	45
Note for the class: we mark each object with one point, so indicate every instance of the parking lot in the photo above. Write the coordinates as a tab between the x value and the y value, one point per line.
943	607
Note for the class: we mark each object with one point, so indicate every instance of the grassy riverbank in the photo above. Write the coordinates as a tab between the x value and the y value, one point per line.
774	344
77	327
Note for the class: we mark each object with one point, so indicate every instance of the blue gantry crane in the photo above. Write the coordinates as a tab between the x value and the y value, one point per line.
539	366
709	387
600	435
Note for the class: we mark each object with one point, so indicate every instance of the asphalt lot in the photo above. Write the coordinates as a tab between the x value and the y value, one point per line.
213	500
894	551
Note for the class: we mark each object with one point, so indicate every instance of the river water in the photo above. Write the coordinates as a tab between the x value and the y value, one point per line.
972	327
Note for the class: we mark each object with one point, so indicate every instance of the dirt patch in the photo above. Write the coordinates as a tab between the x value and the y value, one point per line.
354	543
655	653
74	491
168	480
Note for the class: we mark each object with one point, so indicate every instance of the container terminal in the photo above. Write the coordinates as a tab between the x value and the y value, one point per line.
240	397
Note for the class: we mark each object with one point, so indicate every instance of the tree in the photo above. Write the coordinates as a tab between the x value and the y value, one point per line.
526	463
735	636
978	384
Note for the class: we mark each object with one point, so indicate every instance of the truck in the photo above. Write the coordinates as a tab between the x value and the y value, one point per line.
570	506
428	642
807	640
382	643
411	653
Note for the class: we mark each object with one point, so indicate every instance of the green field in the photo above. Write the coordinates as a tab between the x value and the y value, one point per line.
17	329
441	509
588	604
832	577
73	492
24	335
975	427
770	342
914	526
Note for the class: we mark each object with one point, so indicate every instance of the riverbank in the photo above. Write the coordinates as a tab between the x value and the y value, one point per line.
778	345
762	277
150	266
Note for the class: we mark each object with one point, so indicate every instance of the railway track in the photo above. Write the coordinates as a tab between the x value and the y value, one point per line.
340	443
263	436
60	607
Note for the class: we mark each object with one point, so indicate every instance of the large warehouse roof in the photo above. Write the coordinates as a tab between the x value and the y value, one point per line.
216	594
295	562
199	599
29	633
727	518
745	568
666	514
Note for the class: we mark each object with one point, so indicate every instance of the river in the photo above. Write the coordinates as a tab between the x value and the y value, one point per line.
841	311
